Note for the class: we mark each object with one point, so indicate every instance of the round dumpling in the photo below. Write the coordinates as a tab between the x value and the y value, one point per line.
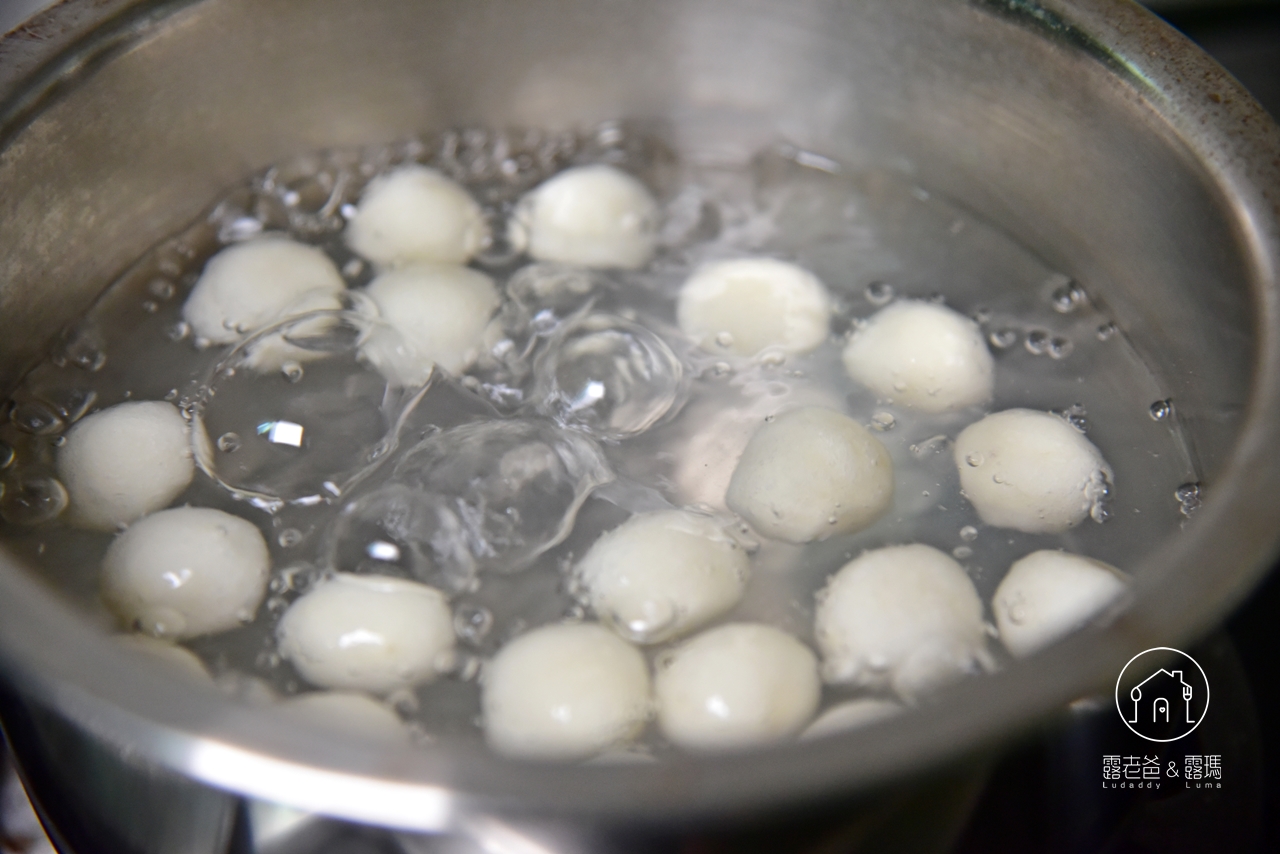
902	617
416	214
809	474
248	285
430	314
851	715
176	659
1048	594
660	574
368	633
749	305
353	712
186	572
736	686
592	216
566	691
1031	471
923	356
124	462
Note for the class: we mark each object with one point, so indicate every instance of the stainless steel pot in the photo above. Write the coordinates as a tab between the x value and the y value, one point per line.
1089	130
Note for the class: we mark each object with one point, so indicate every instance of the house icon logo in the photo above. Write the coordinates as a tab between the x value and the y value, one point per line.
1162	694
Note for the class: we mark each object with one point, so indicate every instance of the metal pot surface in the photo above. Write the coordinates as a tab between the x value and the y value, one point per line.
1090	131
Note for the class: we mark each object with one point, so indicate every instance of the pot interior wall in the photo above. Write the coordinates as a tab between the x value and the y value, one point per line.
1044	139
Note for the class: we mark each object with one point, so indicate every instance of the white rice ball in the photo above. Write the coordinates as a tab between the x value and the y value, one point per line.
124	462
565	691
903	617
850	715
169	655
923	356
809	474
368	633
713	434
592	216
660	574
736	686
1048	594
358	714
413	214
749	305
1031	471
186	572
248	285
434	314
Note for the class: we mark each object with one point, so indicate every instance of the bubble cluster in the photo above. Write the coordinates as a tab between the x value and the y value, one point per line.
313	434
609	376
515	485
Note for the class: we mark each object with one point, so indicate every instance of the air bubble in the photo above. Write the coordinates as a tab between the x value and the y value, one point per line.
968	533
1075	416
1106	331
294	437
36	418
974	459
1002	339
472	622
289	537
7	455
1161	409
724	339
882	421
70	403
1067	298
516	484
291	371
879	293
1037	342
150	306
1098	493
178	331
229	443
1059	347
83	348
609	376
32	500
1189	498
962	553
162	289
399	530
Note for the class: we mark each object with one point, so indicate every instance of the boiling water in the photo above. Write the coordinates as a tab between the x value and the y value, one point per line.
567	349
